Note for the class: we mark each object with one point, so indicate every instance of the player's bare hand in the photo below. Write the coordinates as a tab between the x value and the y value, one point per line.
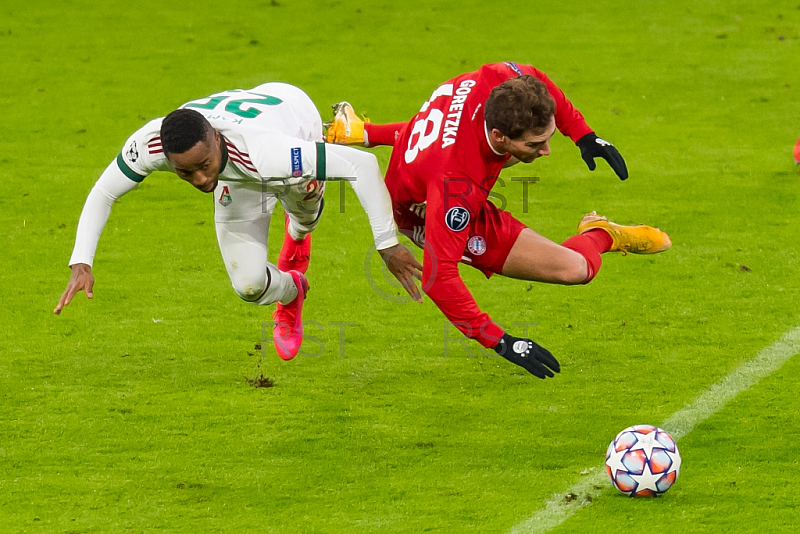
405	267
81	280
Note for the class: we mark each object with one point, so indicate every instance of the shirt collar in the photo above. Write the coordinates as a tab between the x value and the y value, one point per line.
224	159
491	146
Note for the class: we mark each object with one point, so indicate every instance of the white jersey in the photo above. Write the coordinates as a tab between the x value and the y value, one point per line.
245	118
256	164
272	146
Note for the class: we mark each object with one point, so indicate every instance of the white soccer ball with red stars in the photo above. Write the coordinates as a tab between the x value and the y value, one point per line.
643	461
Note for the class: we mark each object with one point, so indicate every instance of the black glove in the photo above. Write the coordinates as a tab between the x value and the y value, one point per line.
593	147
526	353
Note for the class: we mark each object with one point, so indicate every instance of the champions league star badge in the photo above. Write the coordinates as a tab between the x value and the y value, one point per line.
132	153
457	218
225	197
476	245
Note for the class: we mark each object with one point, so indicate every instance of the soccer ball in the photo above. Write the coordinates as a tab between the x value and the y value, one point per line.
643	461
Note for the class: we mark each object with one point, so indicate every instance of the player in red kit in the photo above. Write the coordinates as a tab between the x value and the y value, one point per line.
445	162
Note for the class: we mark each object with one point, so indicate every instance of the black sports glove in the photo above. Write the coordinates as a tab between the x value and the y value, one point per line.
593	147
527	354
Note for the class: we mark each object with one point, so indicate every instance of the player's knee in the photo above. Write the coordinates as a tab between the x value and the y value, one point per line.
250	289
576	272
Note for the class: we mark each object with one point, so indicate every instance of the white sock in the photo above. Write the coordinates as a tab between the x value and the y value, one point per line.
281	287
294	233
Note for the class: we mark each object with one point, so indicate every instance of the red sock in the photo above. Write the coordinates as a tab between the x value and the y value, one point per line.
590	245
382	134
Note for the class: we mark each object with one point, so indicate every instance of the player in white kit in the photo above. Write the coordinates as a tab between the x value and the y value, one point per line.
251	149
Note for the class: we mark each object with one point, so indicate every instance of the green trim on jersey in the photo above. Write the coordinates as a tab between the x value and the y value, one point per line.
127	171
321	161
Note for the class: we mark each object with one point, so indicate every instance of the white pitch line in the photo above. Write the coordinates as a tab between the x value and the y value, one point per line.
562	506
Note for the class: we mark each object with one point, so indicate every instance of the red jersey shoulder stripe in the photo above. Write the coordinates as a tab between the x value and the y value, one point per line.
232	149
154	145
240	157
249	166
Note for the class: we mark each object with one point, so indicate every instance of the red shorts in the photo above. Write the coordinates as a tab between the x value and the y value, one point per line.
491	235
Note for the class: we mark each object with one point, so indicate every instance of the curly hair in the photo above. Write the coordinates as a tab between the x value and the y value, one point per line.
519	105
182	129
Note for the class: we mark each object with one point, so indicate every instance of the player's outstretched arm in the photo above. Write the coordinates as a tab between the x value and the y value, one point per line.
80	280
526	353
405	267
111	185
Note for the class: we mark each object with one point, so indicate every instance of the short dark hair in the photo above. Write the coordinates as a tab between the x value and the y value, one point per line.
518	105
182	129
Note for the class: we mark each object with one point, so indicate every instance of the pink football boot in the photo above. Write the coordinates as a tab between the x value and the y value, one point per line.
288	332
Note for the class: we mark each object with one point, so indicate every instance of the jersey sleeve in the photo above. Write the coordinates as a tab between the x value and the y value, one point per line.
569	120
111	185
277	157
140	155
452	203
280	157
362	172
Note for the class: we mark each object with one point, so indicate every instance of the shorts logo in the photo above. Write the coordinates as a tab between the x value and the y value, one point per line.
225	197
457	218
297	162
132	153
476	245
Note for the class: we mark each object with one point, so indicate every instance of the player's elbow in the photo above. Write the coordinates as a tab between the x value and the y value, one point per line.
364	163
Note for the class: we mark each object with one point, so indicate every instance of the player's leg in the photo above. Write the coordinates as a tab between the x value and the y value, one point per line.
536	258
500	244
302	204
243	245
382	134
347	128
637	239
295	254
577	260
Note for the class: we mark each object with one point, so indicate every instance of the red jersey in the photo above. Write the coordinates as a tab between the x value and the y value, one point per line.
442	157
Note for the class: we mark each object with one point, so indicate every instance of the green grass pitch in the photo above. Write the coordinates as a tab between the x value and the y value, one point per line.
133	412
